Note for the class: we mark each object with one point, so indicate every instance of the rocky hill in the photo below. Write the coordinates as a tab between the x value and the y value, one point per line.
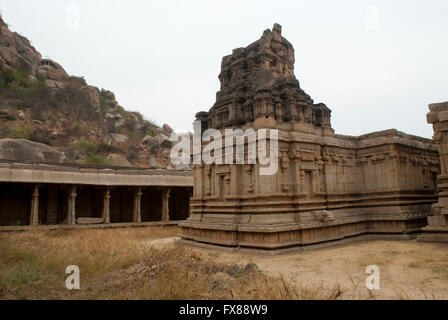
41	103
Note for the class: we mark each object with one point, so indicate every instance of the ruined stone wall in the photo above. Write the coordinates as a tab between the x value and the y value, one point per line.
437	229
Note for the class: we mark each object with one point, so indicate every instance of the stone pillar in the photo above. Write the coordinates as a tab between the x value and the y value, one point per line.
198	180
234	180
166	205
137	216
34	216
106	206
71	215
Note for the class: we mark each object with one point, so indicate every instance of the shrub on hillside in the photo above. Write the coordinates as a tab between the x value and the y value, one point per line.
87	152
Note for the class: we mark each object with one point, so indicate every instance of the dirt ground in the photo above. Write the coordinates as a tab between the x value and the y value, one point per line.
408	269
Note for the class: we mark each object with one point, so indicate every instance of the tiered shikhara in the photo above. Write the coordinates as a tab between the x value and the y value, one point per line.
328	187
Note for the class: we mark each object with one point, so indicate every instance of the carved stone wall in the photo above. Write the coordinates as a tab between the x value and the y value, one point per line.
328	187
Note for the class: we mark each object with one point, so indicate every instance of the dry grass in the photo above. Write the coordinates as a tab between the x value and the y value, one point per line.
140	263
117	264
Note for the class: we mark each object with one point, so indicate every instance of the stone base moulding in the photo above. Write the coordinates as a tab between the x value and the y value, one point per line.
88	226
297	248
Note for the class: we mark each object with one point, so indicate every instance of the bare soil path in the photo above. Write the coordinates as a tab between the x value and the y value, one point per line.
408	269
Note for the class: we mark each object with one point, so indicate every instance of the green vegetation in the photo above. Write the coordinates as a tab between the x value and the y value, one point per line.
108	148
35	95
5	130
138	115
23	132
88	151
77	129
149	129
14	79
80	80
97	160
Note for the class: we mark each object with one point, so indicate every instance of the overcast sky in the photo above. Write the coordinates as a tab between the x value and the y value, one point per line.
376	64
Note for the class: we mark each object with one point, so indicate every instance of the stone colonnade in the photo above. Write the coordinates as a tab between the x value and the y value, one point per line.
71	197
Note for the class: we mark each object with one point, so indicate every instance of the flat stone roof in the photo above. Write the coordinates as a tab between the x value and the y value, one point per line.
67	173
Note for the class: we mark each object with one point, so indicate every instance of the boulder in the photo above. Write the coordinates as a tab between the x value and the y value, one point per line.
167	129
51	70
21	115
118	138
148	140
153	163
16	51
183	167
28	151
164	141
108	95
118	160
93	95
109	116
6	116
54	84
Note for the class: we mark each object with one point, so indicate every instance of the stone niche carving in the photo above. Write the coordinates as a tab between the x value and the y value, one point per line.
327	188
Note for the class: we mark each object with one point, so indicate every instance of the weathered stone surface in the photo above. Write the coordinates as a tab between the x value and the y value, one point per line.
438	222
28	151
85	220
51	70
53	84
16	51
6	116
328	187
164	141
153	163
118	138
85	175
148	140
183	167
258	88
167	129
21	115
109	95
93	95
118	160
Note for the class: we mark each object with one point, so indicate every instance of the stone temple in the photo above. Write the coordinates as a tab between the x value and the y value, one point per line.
329	188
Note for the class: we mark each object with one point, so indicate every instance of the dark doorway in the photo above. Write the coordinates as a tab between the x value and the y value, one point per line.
180	203
15	202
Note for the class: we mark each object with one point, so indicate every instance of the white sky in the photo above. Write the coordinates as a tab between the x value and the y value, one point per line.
376	64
